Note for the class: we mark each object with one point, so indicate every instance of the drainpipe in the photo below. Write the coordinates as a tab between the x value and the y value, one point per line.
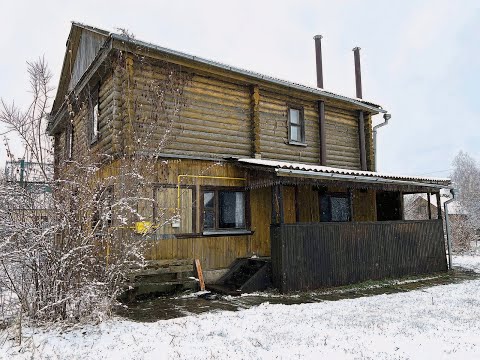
447	225
386	117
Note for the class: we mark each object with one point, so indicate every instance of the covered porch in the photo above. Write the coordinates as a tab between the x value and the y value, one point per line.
334	227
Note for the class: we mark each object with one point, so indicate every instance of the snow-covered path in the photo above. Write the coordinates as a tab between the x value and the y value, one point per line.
441	322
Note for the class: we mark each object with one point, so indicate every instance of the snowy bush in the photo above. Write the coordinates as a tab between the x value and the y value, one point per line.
59	255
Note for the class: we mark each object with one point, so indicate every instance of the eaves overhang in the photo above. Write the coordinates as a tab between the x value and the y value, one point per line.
287	169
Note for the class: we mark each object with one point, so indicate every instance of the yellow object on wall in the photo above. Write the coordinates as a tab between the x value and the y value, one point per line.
142	227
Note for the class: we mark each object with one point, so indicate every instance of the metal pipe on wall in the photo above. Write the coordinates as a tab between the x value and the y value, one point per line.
386	117
447	226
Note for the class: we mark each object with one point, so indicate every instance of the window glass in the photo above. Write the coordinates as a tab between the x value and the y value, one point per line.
209	220
95	123
294	116
340	208
295	133
209	210
334	208
208	201
325	209
232	209
69	142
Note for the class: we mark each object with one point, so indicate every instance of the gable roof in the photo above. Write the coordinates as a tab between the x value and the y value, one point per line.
73	44
71	52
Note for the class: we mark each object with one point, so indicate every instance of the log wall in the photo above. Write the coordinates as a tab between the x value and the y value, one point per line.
224	118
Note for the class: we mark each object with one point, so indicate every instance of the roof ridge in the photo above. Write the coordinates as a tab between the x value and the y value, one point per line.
269	78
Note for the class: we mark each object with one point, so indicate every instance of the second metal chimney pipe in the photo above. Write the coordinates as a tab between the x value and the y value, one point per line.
318	55
358	73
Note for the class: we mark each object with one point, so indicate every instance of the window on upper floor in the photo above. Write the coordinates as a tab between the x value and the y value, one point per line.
94	114
224	209
69	139
296	126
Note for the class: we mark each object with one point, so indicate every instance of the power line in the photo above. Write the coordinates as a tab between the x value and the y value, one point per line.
435	172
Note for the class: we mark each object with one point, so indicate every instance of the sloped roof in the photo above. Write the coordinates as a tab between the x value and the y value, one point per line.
73	42
347	173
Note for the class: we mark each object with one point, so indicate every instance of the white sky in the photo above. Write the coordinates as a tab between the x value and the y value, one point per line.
420	59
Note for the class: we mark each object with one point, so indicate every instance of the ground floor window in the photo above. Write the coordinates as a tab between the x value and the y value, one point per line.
335	207
224	209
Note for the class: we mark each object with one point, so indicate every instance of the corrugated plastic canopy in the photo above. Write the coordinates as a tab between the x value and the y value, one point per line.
283	168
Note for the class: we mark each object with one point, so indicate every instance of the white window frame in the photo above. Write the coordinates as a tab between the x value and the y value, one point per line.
300	126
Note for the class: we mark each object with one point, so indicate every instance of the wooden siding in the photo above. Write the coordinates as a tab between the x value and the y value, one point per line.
214	251
364	205
223	115
310	256
89	45
214	121
341	127
274	142
222	119
108	140
308	203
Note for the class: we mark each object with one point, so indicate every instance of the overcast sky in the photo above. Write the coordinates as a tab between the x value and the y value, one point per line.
420	59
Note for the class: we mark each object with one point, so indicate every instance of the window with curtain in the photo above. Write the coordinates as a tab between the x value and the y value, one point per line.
223	209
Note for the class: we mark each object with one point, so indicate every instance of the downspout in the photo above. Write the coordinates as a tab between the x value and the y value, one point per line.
447	226
386	117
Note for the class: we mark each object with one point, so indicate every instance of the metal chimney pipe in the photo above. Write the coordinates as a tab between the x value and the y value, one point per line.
318	55
358	73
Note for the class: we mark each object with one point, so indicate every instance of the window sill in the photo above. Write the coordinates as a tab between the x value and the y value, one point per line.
296	143
227	232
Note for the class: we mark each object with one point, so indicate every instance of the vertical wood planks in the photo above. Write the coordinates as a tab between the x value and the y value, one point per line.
309	256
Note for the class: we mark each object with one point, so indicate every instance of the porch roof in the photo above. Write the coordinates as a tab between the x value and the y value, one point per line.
283	168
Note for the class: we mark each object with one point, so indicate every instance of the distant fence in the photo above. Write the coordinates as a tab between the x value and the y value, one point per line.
309	256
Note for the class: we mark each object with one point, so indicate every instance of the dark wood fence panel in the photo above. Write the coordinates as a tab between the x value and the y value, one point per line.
309	256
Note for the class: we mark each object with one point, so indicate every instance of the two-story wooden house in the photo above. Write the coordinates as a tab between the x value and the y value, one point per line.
240	164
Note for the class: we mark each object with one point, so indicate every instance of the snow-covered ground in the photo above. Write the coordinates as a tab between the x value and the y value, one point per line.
440	322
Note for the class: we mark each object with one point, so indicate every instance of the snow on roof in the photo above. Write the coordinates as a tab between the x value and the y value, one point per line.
353	173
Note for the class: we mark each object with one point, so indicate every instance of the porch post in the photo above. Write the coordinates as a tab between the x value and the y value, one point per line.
274	204
280	203
402	207
439	206
429	208
277	201
297	207
350	200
